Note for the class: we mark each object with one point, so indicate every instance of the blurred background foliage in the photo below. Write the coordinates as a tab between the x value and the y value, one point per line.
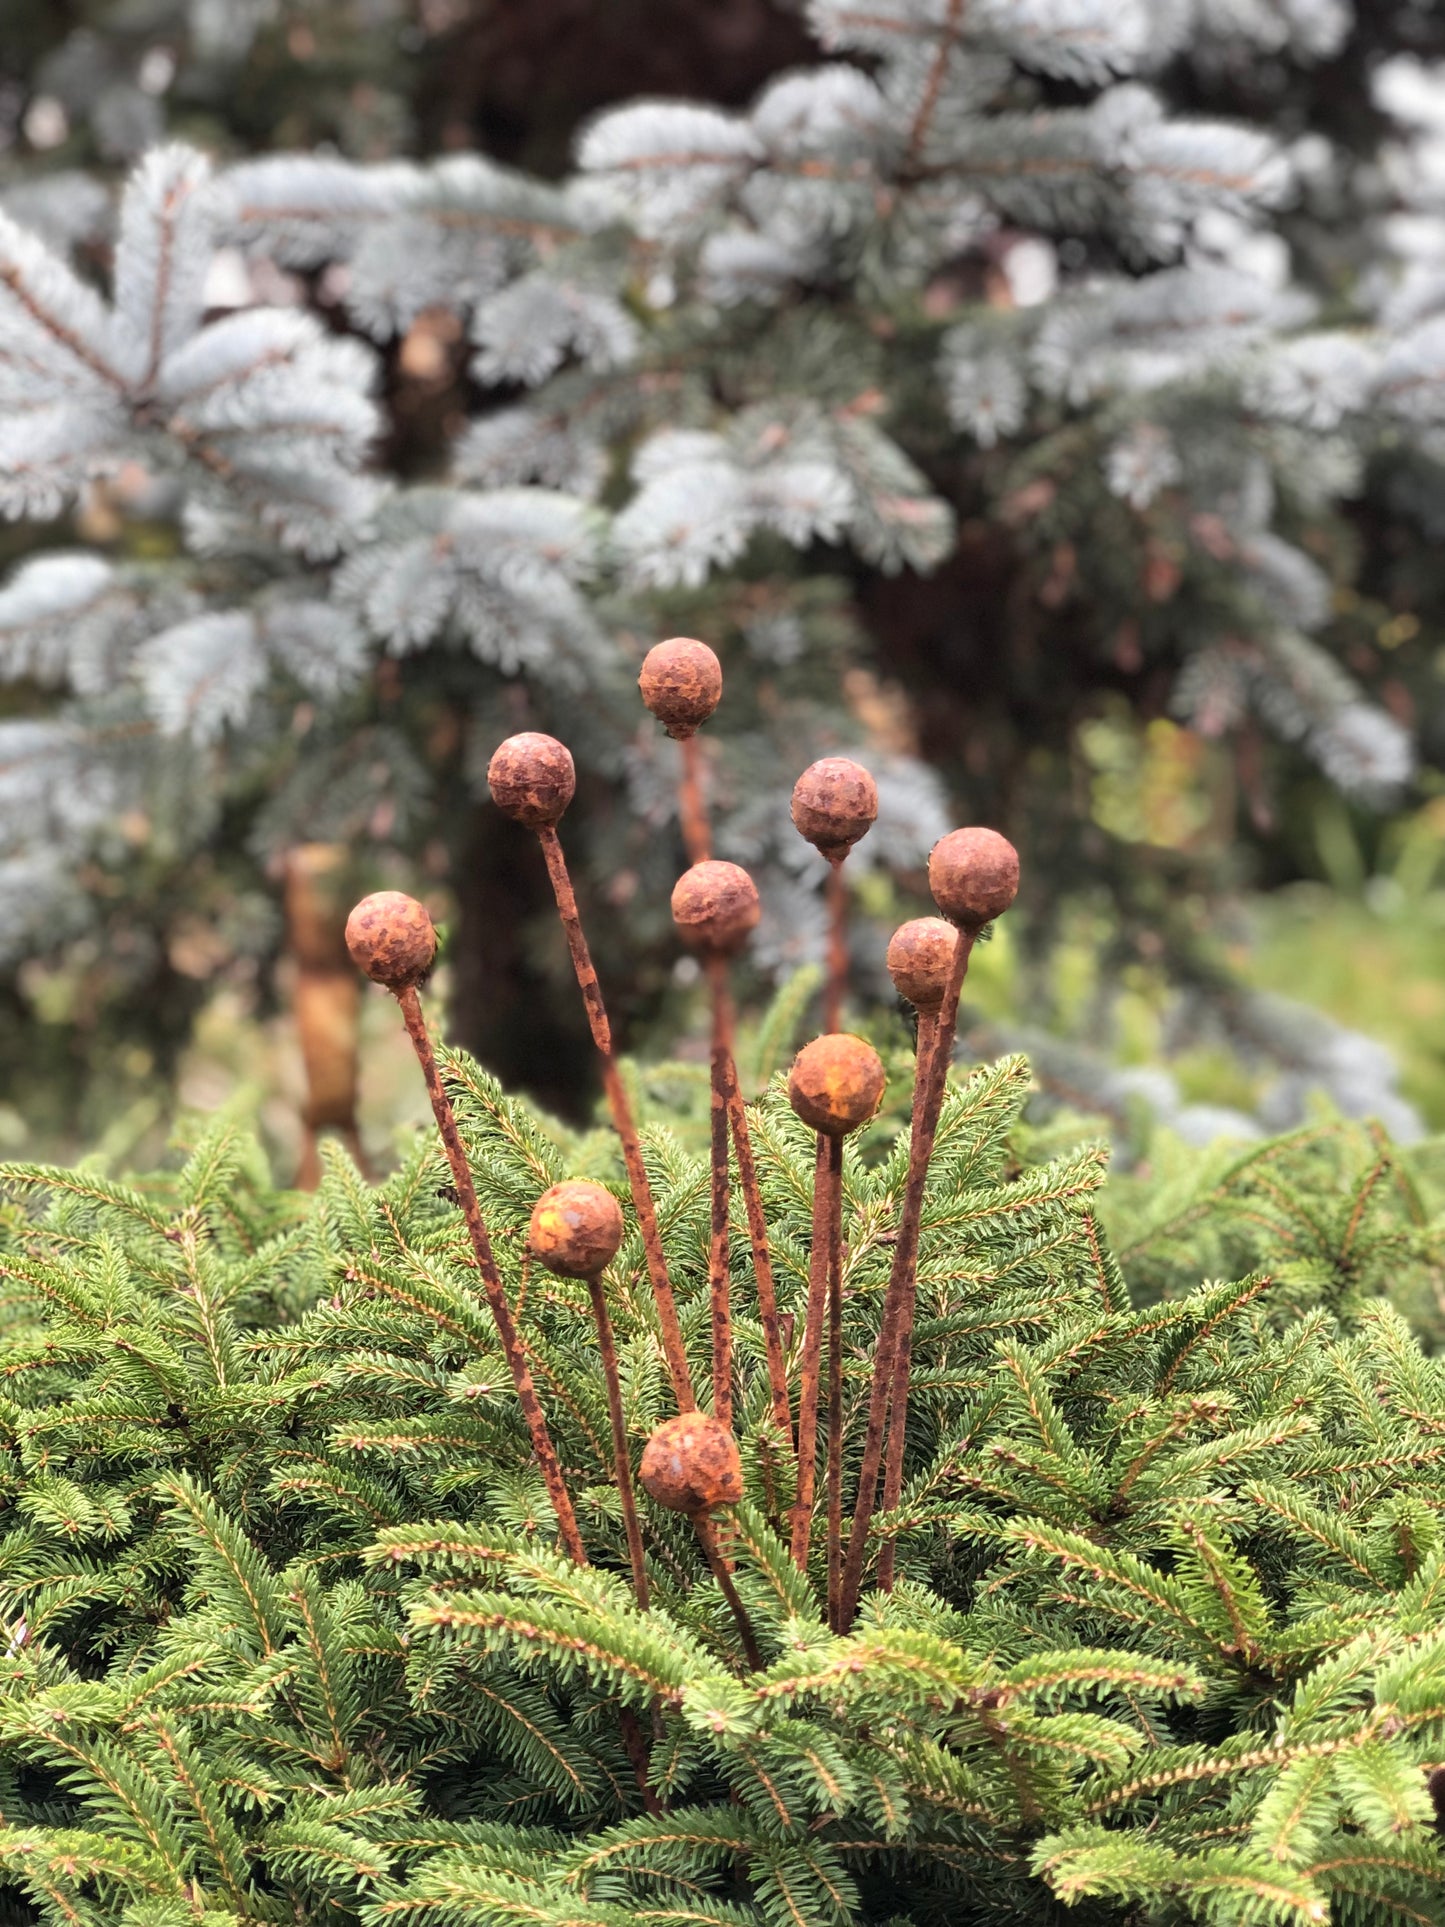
1213	938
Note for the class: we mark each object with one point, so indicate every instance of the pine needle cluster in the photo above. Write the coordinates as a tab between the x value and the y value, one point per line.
288	1636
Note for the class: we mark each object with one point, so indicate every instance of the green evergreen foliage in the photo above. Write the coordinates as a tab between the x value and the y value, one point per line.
287	1637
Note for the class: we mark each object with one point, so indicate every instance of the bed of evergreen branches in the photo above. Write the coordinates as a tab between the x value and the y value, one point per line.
286	1635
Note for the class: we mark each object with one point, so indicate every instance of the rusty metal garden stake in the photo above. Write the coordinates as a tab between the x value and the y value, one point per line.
532	780
973	874
575	1231
391	939
691	1465
835	804
920	961
681	683
836	1084
715	908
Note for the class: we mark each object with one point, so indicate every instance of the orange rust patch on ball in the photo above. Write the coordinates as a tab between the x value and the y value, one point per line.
920	956
691	1464
836	1083
576	1228
974	875
835	802
532	779
681	683
715	907
391	939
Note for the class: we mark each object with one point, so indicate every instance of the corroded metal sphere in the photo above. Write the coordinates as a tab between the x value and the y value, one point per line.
532	779
576	1229
691	1464
715	907
681	683
835	802
920	957
391	939
974	876
836	1083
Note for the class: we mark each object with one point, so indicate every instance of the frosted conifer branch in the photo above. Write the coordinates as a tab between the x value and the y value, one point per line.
527	331
202	676
788	467
261	405
502	570
1141	334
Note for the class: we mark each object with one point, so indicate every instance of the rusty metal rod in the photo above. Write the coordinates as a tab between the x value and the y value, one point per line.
691	809
673	1347
768	1313
902	1276
491	1278
719	1275
621	1456
903	1363
837	983
835	1420
827	1174
697	834
702	1525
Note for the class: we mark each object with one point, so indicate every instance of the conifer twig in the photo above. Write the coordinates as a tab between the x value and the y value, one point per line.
391	938
973	874
532	780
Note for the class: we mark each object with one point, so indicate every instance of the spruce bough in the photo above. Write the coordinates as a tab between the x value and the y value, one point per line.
288	1635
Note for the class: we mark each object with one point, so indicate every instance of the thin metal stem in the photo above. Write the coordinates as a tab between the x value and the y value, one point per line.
492	1279
707	1538
691	810
903	1362
621	1456
902	1277
837	894
827	1173
718	1272
673	1348
835	1419
762	1255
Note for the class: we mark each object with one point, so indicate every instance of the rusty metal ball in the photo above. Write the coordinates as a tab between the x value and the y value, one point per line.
715	907
681	683
836	1083
691	1464
576	1229
974	876
532	779
391	939
835	802
920	957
